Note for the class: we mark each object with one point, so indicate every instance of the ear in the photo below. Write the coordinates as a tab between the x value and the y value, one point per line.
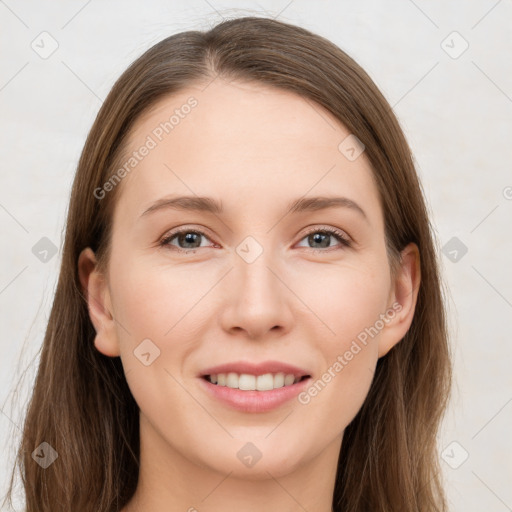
403	297
96	292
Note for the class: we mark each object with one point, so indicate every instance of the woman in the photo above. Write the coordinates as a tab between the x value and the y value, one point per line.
249	310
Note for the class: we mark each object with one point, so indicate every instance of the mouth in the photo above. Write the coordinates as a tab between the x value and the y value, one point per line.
249	382
250	387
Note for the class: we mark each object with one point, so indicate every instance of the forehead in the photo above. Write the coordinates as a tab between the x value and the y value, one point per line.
228	112
245	142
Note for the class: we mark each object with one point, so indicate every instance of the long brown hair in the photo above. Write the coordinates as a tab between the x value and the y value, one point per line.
81	404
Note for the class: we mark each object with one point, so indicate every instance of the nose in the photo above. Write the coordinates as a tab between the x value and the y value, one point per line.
256	300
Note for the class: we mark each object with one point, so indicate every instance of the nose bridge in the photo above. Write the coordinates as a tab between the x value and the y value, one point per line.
258	300
252	269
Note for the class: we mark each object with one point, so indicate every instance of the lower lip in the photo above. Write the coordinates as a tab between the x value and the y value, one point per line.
254	401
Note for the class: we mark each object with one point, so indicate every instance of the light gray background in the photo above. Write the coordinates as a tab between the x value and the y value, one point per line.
456	111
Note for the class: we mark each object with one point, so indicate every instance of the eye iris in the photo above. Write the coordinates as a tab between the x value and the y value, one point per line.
189	238
317	237
192	239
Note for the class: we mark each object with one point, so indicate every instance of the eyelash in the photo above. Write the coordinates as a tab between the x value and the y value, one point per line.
344	241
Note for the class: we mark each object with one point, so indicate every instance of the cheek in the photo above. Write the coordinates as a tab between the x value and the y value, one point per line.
351	309
153	302
346	299
156	329
361	302
355	317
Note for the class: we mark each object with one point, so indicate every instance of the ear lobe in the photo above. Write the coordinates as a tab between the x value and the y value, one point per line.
96	292
404	295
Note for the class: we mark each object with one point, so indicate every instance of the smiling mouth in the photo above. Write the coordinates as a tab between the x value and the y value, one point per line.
249	382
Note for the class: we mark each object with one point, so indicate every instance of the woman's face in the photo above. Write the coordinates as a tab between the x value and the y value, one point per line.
251	285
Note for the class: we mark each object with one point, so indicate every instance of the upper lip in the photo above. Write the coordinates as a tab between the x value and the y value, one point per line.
256	368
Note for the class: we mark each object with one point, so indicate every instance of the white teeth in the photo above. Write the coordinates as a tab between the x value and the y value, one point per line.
288	379
265	382
278	380
232	380
248	382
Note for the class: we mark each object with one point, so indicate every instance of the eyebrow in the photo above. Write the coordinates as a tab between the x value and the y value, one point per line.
210	205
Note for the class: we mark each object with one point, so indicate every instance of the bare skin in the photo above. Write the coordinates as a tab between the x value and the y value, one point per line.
255	149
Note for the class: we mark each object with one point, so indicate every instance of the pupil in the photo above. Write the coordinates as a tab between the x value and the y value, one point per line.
189	239
321	238
315	238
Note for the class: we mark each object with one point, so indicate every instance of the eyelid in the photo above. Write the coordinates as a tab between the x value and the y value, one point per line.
345	242
330	229
184	229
